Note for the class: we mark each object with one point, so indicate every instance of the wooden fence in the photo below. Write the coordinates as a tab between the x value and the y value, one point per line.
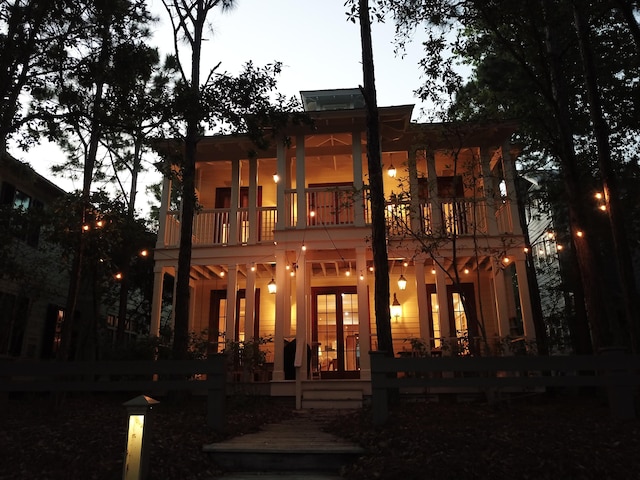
148	377
616	372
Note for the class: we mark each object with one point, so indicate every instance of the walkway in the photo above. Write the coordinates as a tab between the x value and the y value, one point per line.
295	448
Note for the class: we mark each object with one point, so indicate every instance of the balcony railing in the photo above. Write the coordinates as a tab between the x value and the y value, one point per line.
338	208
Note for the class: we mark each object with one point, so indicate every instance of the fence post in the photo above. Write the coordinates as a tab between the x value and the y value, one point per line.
216	395
619	389
379	392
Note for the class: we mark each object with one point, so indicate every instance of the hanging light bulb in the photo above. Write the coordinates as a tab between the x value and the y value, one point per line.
361	276
304	247
271	286
402	282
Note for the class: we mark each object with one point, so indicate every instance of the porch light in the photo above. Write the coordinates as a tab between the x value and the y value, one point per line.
361	276
466	271
396	308
276	177
271	286
433	271
391	171
402	282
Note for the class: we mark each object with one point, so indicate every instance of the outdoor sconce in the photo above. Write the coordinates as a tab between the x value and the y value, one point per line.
276	177
391	171
136	460
271	286
402	282
396	308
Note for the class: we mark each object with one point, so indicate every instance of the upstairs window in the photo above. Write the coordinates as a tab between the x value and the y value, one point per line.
19	216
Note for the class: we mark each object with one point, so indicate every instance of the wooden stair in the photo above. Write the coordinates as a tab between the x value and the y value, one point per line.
331	394
294	445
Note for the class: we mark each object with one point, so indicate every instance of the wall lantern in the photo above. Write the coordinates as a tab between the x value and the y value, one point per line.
271	286
276	177
396	308
402	282
136	460
391	171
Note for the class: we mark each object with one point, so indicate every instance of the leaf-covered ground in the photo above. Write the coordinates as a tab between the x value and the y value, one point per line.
562	437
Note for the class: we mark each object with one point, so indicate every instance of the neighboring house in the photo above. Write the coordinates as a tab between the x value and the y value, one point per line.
33	276
546	229
297	220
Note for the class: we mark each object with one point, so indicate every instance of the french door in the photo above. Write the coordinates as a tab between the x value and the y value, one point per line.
335	335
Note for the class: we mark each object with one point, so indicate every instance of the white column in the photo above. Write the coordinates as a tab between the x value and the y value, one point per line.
358	183
301	316
443	304
156	303
300	183
435	218
281	293
525	300
232	296
423	305
235	196
414	192
489	190
364	328
250	303
162	214
253	202
501	303
280	188
509	170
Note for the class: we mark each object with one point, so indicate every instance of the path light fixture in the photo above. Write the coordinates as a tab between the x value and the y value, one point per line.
136	459
271	286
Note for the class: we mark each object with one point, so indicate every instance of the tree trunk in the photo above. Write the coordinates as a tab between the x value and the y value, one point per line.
578	225
624	261
181	326
379	240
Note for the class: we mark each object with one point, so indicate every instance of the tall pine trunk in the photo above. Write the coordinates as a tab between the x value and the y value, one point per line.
379	241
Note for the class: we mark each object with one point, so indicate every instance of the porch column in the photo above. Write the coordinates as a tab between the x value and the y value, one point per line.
161	241
235	196
489	190
364	327
443	304
358	184
300	183
501	303
281	295
156	302
509	170
423	305
435	217
414	192
281	210
252	215
301	317
232	295
525	300
250	303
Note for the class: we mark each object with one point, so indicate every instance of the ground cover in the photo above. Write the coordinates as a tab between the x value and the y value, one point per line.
539	437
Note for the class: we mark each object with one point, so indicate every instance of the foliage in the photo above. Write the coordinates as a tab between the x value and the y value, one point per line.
248	355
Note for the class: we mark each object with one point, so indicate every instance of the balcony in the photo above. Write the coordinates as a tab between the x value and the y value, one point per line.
340	208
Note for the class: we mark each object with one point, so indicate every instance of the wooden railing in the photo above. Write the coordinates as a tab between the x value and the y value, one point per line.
149	377
618	373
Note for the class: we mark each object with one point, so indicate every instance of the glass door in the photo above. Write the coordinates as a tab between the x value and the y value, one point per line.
335	334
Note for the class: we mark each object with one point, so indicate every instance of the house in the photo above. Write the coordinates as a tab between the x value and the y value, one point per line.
281	242
33	277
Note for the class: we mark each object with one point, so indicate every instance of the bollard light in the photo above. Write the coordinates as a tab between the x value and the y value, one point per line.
136	457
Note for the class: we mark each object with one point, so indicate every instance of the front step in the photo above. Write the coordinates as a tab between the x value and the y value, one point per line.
296	445
332	399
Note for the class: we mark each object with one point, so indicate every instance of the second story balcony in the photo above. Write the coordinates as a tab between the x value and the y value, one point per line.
320	181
